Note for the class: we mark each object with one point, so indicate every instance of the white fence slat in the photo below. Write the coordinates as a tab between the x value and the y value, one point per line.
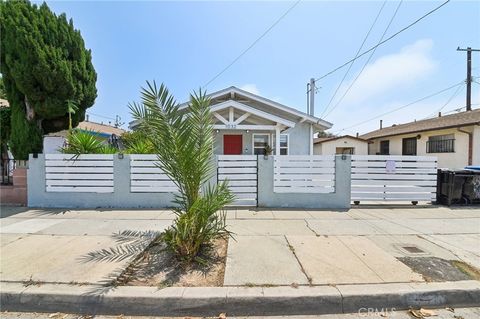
237	158
303	170
242	183
302	183
237	164
159	177
91	170
79	189
237	177
242	189
399	196
78	176
403	158
89	182
86	163
154	170
397	170
311	158
391	182
400	189
315	190
150	183
397	164
237	170
412	177
161	189
73	157
143	157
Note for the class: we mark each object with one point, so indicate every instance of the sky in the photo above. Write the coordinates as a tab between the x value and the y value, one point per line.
185	44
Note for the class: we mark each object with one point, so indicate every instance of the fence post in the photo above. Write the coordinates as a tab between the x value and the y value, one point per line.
343	177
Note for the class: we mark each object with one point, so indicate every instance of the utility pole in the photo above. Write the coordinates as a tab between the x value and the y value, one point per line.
469	76
311	110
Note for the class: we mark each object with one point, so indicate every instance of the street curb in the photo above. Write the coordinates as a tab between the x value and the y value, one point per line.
237	301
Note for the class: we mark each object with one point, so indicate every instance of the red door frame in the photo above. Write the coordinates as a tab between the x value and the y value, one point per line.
232	144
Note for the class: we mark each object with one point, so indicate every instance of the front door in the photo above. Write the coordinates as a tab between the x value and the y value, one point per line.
232	145
409	146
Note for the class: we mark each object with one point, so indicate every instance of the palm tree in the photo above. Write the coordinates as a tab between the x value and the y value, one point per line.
72	107
183	141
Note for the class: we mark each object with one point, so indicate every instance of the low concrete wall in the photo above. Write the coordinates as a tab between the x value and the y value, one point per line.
340	199
123	198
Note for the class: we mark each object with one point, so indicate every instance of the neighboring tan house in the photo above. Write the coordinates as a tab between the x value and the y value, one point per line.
454	139
345	144
246	123
54	141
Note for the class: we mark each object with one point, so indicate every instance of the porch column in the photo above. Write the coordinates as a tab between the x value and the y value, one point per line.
277	140
311	139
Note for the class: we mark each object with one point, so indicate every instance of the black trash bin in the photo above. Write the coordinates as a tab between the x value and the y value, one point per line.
458	187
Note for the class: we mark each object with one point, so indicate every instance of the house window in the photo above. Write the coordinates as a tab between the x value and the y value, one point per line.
284	141
384	147
260	142
409	146
441	144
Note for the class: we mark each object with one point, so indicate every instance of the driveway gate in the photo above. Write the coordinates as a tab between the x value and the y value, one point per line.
393	178
241	173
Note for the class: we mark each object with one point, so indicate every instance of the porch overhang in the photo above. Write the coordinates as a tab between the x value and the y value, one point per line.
236	123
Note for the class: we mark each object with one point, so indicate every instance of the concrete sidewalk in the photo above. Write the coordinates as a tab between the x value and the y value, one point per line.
45	252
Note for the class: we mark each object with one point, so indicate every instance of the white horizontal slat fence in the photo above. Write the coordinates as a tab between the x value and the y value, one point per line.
241	173
146	177
393	178
88	173
304	174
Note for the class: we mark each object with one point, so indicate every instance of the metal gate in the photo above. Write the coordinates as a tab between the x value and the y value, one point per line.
241	173
393	178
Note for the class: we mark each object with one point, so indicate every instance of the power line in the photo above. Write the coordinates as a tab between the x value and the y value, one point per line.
356	54
366	62
253	43
455	93
403	106
386	40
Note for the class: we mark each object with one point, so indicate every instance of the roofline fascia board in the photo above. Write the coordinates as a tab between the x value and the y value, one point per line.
424	130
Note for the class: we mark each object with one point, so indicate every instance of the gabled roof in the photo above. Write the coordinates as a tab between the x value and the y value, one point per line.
319	140
438	123
265	105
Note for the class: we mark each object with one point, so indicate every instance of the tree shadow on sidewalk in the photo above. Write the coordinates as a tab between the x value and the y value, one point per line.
150	263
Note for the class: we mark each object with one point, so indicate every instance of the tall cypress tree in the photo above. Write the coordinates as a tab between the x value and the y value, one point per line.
44	64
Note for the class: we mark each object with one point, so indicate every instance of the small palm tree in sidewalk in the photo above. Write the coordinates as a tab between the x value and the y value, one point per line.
183	141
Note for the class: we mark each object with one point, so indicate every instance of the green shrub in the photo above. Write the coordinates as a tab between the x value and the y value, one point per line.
83	142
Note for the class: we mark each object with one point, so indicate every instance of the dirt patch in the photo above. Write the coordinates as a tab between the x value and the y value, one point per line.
438	269
157	267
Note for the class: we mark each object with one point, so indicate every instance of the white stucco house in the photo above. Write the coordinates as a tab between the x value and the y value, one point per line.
246	123
454	139
345	144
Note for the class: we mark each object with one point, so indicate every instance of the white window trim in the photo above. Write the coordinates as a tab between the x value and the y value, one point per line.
253	141
288	142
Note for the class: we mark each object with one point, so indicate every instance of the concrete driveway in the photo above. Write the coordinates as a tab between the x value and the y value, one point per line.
271	247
